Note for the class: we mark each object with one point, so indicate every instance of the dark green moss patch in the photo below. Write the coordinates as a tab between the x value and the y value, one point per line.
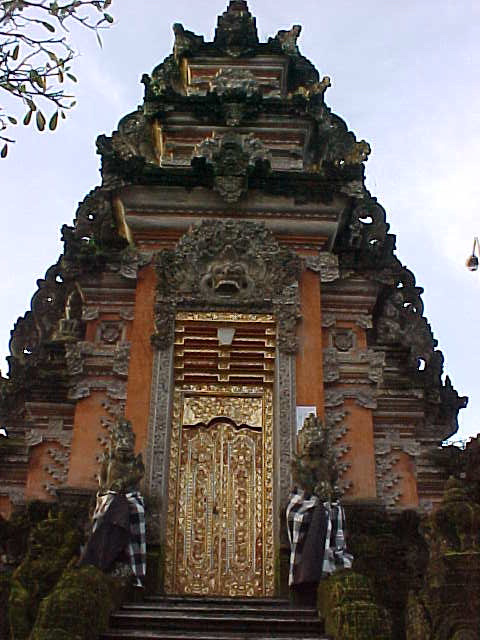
52	545
346	602
79	607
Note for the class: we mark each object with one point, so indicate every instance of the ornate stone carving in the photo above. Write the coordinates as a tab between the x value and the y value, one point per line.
58	457
131	261
225	263
158	427
376	365
387	451
232	157
363	397
315	467
185	41
288	40
90	313
236	33
94	239
344	339
232	80
121	358
132	141
364	321
326	264
121	469
328	320
74	358
331	370
285	423
110	332
115	389
38	324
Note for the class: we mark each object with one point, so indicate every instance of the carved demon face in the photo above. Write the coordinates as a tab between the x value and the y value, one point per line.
227	277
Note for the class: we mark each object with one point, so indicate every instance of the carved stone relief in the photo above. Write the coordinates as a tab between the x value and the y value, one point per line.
57	464
232	79
110	332
285	422
326	264
335	420
228	264
158	443
363	397
344	339
387	450
331	371
232	156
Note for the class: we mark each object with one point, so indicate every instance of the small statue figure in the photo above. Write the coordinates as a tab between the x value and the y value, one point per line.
315	517
118	531
121	470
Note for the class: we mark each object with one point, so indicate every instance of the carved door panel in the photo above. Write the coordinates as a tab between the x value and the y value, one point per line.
219	538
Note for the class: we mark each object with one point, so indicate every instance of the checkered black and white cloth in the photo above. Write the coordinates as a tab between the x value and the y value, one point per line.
299	515
331	535
137	547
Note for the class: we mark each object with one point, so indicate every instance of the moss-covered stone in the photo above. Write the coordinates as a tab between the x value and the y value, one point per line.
346	602
53	543
391	552
79	607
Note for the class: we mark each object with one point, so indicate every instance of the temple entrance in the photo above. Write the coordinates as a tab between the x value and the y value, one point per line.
220	511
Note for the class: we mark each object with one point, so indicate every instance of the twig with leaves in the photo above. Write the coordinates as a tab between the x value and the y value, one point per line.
36	56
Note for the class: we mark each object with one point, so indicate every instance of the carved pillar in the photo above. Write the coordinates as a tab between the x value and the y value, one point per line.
158	442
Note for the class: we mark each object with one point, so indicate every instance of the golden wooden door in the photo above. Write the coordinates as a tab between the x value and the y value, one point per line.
219	534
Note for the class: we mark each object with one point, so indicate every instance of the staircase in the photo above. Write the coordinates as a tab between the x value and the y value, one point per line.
209	618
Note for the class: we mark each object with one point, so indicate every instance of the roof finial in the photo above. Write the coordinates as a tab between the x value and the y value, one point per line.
236	31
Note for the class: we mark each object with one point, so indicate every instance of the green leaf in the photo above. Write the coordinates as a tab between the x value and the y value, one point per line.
72	77
3	153
12	120
31	104
16	52
40	121
49	26
52	125
62	114
108	17
28	117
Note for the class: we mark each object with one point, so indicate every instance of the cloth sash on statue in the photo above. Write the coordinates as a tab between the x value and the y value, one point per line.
118	528
317	540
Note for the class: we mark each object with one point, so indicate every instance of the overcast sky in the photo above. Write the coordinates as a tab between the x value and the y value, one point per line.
406	78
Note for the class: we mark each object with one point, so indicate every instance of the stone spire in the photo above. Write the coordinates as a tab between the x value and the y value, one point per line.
236	31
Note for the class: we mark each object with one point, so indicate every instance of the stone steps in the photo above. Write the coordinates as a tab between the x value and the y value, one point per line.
209	618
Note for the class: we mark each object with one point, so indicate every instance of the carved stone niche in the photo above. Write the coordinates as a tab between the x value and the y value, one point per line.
232	265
